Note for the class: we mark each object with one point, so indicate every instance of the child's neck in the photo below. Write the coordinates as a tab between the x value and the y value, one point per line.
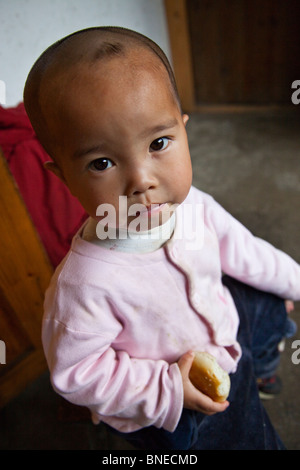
142	242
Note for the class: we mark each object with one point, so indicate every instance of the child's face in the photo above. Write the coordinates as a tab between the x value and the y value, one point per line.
123	137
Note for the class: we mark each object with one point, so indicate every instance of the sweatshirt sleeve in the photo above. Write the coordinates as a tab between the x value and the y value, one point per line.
126	393
252	260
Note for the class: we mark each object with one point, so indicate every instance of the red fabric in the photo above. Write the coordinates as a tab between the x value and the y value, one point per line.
56	214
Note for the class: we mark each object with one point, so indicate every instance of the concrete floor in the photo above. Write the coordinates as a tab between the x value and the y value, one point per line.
251	165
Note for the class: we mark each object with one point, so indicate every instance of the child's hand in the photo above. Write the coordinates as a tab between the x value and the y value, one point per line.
193	399
289	305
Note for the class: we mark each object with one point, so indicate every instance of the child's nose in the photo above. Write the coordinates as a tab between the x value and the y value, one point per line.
140	180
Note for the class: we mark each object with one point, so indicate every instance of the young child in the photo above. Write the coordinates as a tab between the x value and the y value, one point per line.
125	311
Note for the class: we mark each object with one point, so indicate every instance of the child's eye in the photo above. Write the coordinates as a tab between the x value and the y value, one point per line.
159	144
100	164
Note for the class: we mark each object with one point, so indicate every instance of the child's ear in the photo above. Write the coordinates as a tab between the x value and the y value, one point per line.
52	166
185	118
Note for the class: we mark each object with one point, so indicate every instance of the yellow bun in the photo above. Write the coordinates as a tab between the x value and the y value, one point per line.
208	377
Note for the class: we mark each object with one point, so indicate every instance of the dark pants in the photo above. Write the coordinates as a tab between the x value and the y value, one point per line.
244	424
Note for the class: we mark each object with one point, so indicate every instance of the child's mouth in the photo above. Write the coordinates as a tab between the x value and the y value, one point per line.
152	209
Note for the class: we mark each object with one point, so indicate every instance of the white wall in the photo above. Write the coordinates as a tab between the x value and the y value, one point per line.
28	27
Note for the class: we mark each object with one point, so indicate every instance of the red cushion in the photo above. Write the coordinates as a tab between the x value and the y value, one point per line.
56	214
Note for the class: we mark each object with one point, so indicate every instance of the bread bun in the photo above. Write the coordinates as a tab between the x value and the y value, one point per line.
208	377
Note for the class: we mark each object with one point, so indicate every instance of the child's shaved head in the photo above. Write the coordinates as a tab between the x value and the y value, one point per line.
62	61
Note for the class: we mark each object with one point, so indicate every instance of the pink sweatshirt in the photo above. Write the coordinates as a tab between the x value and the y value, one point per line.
115	323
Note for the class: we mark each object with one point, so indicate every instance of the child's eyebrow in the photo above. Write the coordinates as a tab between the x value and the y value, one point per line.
86	151
151	131
160	128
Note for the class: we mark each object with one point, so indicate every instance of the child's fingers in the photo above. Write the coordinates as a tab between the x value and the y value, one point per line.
185	363
196	400
209	407
193	398
289	305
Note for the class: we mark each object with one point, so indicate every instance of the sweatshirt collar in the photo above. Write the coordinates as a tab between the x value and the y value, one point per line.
131	242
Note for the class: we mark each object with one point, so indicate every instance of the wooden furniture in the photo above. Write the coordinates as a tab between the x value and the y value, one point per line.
25	273
234	54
